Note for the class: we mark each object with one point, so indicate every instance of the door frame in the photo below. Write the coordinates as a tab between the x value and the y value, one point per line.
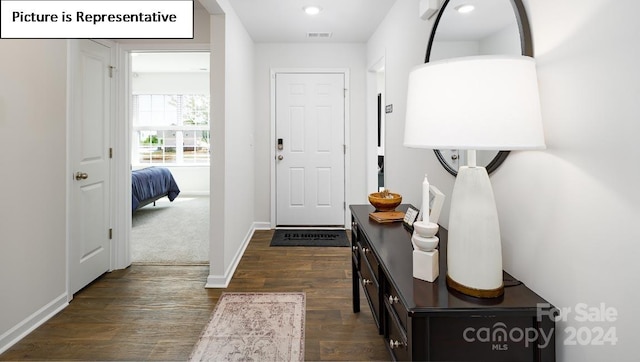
72	49
122	144
272	135
376	83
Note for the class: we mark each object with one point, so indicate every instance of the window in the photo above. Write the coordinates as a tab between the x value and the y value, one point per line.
171	128
170	108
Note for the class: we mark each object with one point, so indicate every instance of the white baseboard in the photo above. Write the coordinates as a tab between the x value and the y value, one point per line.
22	329
222	281
215	281
194	193
262	225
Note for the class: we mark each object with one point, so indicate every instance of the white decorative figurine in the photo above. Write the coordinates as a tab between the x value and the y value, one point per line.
425	255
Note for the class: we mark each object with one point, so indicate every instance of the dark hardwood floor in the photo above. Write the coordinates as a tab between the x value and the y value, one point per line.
151	312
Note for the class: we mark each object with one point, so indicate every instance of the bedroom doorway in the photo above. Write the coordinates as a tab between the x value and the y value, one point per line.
169	105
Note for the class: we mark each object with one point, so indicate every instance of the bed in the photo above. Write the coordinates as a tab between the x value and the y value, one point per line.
150	184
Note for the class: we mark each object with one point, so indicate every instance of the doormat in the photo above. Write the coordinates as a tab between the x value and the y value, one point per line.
300	237
254	327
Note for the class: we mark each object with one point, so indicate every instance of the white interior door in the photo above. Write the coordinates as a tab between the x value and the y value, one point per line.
310	154
89	250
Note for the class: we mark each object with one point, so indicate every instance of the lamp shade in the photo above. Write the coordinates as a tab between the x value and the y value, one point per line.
476	103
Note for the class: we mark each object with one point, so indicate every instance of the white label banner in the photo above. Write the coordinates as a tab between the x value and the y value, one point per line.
98	19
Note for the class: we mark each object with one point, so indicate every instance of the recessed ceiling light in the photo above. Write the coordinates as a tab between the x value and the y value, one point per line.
465	8
312	10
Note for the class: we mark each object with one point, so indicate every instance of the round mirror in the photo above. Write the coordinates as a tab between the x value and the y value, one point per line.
478	27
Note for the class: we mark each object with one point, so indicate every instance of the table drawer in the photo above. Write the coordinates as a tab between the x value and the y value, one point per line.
367	253
396	338
371	290
392	298
355	254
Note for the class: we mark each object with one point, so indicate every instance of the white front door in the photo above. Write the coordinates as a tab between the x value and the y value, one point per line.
89	248
310	149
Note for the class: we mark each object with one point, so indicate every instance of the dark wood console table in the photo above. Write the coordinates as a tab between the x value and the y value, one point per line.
424	321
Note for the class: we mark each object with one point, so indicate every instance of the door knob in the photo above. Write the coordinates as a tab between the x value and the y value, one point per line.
280	157
81	175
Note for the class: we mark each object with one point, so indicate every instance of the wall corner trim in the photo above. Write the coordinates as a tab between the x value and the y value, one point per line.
222	281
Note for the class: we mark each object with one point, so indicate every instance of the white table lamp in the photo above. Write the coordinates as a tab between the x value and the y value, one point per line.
474	103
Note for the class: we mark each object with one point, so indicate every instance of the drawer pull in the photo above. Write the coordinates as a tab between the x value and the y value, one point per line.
365	250
393	299
395	344
366	281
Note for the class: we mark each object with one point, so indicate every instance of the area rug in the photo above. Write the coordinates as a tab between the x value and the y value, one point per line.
300	237
254	327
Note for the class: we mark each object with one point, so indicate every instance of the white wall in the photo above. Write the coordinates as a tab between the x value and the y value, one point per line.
450	49
33	183
307	56
568	214
192	180
505	41
232	164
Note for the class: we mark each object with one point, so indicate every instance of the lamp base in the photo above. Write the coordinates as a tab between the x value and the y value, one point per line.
478	293
474	250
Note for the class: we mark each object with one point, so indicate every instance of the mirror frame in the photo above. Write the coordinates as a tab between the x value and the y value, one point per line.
526	45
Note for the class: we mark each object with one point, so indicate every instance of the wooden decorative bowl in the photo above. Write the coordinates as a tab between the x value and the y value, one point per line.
382	203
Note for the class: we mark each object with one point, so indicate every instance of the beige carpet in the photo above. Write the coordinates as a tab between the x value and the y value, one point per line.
254	327
171	232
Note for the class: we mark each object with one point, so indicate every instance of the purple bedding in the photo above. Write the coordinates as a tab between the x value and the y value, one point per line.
150	184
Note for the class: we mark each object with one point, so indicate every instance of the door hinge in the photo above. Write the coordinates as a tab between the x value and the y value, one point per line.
110	234
110	152
344	149
344	205
111	68
345	92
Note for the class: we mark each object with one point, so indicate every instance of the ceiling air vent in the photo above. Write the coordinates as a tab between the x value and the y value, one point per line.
319	35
